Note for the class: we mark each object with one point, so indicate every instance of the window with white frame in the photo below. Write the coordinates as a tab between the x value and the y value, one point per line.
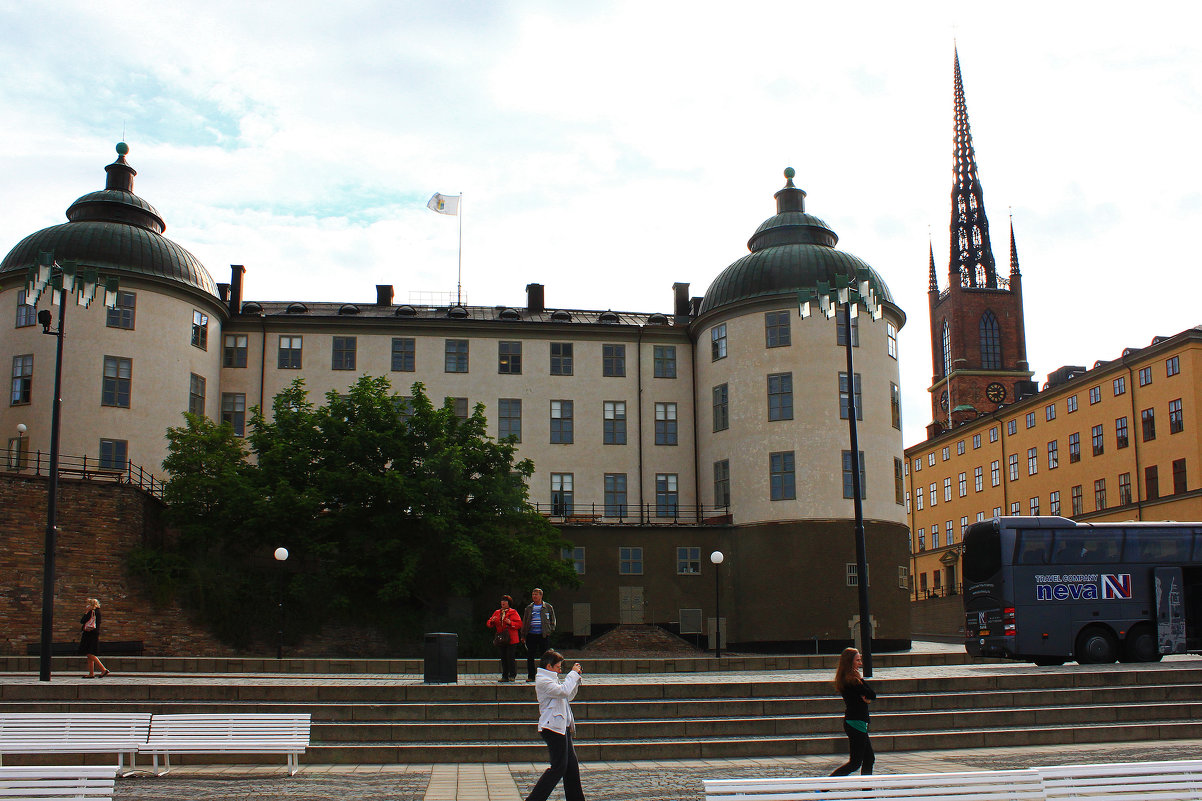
688	561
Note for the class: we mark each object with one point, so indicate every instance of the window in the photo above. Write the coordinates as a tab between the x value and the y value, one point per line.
947	488
455	356
665	361
233	411
613	361
995	473
114	454
931	459
780	396
903	577
1030	419
1179	482
1176	421
718	342
1034	506
960	448
963	484
1014	467
934	496
1147	419
561	494
776	329
721	408
947	453
1145	376
978	479
1074	448
1096	437
688	561
899	482
118	374
1099	494
1016	507
976	441
891	336
947	349
997	512
1152	482
576	557
26	314
561	422
630	561
1124	489
782	476
1054	503
993	434
922	546
22	388
1032	461
722	483
615	495
895	410
851	570
343	353
1053	454
561	358
963	526
1012	428
1120	432
991	342
918	499
918	464
849	477
120	316
1071	403
289	357
509	418
857	400
1049	412
509	358
18	450
841	338
233	351
1120	384
1172	365
459	405
1095	395
614	423
200	330
196	395
665	424
667	495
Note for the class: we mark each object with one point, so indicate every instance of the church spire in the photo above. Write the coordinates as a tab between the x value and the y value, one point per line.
1013	251
932	281
971	253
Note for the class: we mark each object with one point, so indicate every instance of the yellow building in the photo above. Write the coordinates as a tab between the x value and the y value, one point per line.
1116	442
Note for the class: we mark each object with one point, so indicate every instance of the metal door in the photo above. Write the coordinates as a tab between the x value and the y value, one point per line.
630	605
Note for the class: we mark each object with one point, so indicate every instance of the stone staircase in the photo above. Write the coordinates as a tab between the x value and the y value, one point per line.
639	641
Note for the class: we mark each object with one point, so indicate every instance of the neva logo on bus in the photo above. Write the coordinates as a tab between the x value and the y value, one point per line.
1083	587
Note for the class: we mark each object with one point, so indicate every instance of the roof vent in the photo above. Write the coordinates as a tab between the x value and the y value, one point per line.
561	315
250	307
657	319
458	312
405	311
509	314
348	308
609	317
297	308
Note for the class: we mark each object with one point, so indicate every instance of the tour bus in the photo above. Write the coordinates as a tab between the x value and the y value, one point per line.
1048	589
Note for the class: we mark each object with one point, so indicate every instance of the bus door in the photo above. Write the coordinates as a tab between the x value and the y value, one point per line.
1170	610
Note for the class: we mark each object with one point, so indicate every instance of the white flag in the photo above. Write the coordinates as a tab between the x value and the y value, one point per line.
444	204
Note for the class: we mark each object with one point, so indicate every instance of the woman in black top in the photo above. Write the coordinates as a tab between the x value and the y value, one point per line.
856	696
89	641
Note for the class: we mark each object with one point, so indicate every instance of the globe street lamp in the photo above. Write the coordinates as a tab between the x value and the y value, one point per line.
716	557
281	556
19	462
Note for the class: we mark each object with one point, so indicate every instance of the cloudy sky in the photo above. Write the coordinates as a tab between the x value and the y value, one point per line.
608	150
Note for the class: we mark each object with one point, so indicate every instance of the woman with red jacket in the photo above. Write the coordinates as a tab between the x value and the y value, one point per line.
507	624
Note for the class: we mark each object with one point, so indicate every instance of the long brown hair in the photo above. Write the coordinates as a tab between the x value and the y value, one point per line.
846	674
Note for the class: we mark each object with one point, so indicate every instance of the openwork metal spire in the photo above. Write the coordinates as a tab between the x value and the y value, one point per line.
971	253
932	281
1013	251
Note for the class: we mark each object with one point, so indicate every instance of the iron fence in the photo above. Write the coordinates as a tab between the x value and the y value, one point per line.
571	512
88	468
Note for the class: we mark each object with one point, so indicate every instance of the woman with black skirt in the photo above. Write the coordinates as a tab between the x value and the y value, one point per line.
89	641
856	697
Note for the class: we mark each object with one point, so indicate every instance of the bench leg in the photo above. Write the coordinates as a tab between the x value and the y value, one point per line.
293	764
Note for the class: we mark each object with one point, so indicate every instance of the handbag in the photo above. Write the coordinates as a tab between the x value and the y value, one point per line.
500	639
91	624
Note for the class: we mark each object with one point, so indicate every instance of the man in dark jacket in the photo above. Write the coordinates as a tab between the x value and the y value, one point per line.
538	624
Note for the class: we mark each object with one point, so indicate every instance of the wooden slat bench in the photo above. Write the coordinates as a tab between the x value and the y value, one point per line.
58	782
227	734
980	785
1146	781
117	733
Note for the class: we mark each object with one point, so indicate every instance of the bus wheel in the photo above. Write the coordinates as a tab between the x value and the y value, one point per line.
1096	646
1140	646
1048	661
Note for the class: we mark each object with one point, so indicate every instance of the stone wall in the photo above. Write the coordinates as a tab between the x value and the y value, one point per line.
938	617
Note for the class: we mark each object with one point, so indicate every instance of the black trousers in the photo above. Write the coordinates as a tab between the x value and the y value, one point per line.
509	668
563	766
536	644
861	753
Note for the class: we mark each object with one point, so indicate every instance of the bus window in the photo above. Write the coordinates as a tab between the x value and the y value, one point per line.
1086	547
1031	547
1198	547
982	552
1157	546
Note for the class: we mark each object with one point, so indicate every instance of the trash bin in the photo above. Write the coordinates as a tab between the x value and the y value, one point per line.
442	653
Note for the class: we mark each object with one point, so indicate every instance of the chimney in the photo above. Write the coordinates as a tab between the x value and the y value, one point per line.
223	293
236	273
696	304
383	294
682	307
534	299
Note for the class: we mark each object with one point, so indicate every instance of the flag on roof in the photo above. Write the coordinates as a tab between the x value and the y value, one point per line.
444	204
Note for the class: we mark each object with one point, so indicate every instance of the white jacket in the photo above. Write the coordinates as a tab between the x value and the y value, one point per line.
554	711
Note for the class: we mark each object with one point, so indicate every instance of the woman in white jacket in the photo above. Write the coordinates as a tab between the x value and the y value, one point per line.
556	726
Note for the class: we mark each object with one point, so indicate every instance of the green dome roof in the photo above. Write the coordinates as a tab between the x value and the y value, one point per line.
790	251
116	232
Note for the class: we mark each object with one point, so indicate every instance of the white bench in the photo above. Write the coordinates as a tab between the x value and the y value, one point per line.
58	782
986	785
117	733
227	734
1146	781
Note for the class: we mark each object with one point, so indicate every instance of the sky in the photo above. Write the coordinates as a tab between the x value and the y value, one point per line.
608	150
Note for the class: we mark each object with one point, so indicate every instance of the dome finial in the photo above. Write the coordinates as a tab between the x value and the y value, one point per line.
789	173
122	149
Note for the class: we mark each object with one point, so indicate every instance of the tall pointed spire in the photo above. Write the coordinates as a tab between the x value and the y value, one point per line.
1013	251
971	253
932	281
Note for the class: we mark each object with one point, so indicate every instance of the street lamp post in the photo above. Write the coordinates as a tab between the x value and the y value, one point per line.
716	557
19	462
850	293
281	555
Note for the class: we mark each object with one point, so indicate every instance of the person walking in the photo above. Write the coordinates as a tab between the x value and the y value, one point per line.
89	640
556	725
508	626
538	624
856	697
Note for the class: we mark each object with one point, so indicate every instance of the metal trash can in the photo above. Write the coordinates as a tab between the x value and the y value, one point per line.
441	658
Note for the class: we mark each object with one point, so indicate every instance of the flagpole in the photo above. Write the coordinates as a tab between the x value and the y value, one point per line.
459	274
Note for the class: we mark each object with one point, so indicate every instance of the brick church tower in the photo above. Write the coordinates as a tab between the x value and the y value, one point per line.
978	342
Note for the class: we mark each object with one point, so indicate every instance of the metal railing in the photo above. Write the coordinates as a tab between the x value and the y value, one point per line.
636	514
947	591
88	468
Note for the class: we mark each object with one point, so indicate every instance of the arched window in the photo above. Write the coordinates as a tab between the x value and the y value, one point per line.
991	343
947	348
